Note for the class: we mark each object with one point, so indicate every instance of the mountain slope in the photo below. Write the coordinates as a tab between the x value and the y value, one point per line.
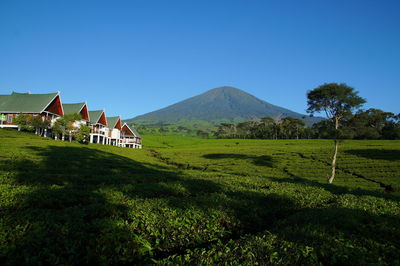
223	103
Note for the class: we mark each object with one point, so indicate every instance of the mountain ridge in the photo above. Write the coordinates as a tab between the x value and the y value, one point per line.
226	103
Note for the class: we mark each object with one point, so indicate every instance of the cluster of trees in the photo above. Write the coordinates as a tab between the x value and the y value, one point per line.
32	123
265	128
369	124
65	126
182	128
166	129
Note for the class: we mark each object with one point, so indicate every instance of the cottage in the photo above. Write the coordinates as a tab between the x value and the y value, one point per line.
98	127
130	138
77	108
47	106
114	130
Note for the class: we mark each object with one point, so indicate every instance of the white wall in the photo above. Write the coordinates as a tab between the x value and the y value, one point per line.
115	133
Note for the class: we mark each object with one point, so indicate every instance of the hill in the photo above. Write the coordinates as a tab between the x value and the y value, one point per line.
223	104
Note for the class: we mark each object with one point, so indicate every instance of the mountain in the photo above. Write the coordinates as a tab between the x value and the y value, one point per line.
218	105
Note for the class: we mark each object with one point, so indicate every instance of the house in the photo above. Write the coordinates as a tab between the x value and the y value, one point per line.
98	127
47	106
114	130
77	108
130	138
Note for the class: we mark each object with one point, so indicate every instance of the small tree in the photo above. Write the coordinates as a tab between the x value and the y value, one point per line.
66	125
337	101
266	128
202	134
58	128
83	134
291	127
24	122
226	130
39	124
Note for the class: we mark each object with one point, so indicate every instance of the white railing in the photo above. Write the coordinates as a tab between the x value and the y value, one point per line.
130	141
100	131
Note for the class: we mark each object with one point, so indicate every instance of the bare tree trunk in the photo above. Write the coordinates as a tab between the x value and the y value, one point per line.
330	179
336	143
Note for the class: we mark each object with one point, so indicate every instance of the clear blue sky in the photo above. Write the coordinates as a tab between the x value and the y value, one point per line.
132	57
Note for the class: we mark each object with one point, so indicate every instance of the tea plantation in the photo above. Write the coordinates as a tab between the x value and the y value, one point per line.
195	201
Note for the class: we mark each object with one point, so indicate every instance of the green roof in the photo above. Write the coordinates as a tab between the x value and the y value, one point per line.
112	121
19	93
95	116
3	98
25	102
135	132
72	108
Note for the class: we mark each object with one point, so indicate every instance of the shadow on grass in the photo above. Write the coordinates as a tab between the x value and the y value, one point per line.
263	160
376	154
78	203
334	189
343	236
67	214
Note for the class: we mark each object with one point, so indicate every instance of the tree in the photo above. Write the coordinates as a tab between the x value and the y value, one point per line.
66	125
391	130
40	124
265	128
226	130
338	101
83	134
58	128
202	134
371	124
246	129
291	127
24	122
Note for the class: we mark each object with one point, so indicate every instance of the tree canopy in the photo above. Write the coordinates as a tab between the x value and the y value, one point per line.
336	100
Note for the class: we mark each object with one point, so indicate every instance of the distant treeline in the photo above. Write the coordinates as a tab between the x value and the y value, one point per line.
173	129
369	124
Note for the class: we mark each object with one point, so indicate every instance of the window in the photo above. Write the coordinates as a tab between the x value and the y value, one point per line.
9	118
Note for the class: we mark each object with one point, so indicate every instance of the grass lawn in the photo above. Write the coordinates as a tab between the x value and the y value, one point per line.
190	201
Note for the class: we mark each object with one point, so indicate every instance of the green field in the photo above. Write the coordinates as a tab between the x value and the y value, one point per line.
196	201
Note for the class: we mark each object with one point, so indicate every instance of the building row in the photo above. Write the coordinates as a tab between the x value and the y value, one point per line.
103	130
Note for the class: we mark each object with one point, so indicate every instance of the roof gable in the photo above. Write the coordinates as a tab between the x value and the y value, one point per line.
98	117
55	106
114	122
85	113
76	108
72	108
129	131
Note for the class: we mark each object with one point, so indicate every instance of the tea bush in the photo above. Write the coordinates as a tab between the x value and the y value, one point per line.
197	201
